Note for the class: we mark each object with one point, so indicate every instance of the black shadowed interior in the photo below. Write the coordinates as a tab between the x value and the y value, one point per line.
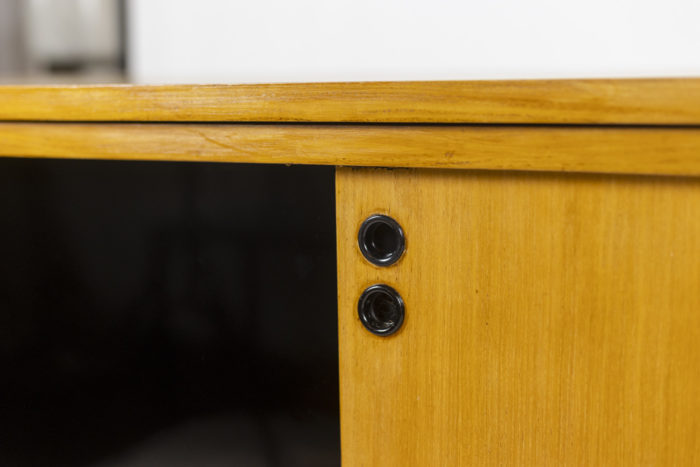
157	313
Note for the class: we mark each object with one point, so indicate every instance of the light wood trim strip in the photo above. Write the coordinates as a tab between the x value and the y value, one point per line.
673	151
616	101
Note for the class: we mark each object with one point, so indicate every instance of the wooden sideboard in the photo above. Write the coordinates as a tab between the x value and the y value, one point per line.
551	271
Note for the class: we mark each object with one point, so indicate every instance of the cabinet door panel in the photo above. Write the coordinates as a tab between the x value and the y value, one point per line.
551	319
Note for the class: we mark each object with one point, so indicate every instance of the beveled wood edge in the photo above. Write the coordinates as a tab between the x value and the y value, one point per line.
627	150
663	101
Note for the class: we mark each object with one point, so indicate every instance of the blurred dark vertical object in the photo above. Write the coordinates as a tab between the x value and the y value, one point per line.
12	47
123	42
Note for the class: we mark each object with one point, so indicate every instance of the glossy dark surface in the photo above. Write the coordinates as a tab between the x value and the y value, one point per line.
167	314
381	239
381	309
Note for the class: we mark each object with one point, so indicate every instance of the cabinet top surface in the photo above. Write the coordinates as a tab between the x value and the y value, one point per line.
666	101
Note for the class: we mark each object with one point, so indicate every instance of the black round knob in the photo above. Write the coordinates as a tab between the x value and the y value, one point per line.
381	240
381	309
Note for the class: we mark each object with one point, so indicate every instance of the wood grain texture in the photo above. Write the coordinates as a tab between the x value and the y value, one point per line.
613	101
673	151
551	319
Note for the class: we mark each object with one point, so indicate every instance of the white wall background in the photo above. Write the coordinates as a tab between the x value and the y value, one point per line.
236	41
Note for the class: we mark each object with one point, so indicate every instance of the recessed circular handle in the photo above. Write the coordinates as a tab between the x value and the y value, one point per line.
381	240
381	310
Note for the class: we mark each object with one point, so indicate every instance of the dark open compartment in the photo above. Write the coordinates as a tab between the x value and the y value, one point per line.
175	314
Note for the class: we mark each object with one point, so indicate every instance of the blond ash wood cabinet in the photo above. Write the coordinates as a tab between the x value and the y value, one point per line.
551	276
550	320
